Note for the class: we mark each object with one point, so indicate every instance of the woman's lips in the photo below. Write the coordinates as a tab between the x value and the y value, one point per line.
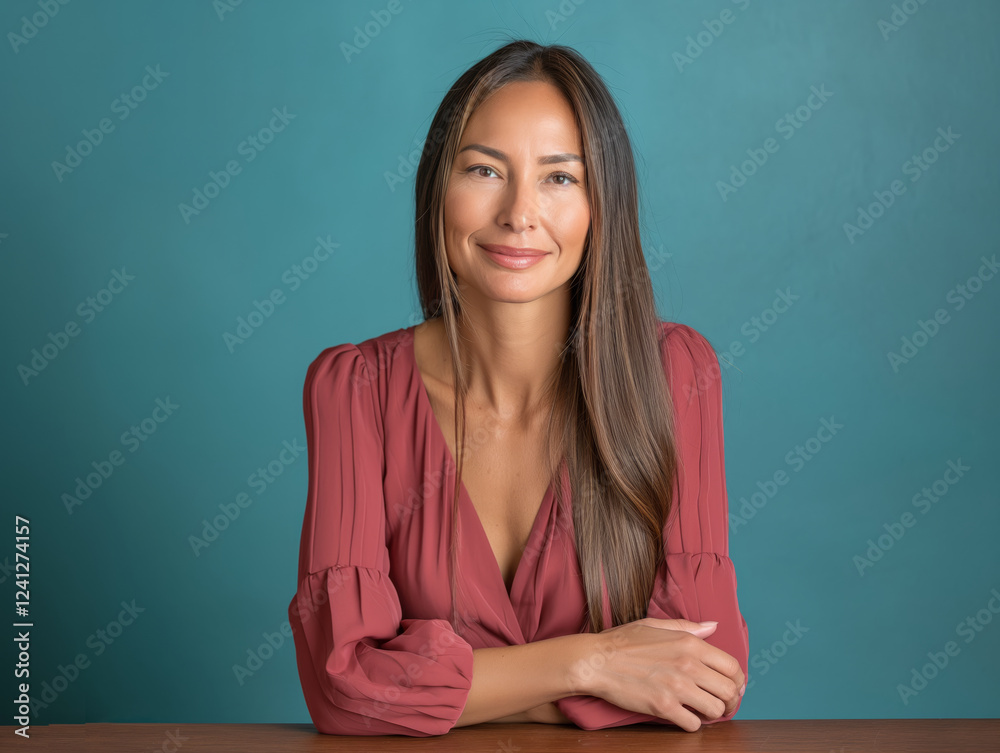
513	258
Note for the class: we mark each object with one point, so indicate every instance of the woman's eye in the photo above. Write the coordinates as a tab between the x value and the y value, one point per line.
476	168
569	178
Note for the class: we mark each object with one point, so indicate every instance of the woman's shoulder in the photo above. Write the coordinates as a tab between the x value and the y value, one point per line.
365	354
360	371
678	340
690	361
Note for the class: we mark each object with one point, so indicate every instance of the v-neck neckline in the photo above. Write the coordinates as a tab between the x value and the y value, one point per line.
543	508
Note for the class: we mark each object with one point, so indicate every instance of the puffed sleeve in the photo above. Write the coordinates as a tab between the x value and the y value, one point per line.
363	669
697	580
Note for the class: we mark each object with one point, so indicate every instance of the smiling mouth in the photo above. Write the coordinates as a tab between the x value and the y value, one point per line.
514	258
512	250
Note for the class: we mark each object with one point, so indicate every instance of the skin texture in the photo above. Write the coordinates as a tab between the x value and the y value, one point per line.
518	203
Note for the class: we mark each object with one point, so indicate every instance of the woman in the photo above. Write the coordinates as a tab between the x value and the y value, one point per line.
435	594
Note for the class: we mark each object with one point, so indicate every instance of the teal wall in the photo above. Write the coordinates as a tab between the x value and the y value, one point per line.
814	552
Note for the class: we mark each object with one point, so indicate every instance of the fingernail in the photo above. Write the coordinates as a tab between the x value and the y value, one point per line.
744	689
710	623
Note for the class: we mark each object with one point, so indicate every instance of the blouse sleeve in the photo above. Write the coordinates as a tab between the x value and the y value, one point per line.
363	669
697	581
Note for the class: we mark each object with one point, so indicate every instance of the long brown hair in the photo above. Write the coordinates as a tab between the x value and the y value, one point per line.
611	415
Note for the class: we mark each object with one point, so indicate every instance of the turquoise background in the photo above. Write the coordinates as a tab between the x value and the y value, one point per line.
716	264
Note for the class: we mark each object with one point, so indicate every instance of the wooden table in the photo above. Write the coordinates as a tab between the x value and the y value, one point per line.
798	735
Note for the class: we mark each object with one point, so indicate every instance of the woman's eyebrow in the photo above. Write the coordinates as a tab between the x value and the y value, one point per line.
547	160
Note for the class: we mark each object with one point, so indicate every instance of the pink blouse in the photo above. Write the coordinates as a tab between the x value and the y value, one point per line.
374	648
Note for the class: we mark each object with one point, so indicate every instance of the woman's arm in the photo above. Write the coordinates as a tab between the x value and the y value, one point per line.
547	713
697	579
519	683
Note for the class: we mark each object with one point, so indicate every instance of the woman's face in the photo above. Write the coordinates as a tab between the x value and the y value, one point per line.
518	180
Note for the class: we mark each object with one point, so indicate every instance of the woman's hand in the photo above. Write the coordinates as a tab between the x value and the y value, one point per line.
663	668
